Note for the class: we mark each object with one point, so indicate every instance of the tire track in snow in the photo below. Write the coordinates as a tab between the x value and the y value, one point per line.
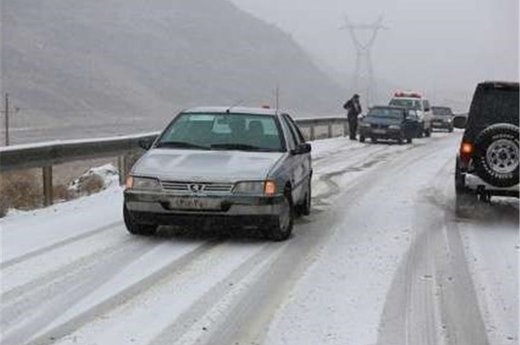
52	295
49	336
60	244
249	320
255	317
69	271
432	298
198	313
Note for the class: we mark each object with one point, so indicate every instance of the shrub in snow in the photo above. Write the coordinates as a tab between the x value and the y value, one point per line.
94	180
20	190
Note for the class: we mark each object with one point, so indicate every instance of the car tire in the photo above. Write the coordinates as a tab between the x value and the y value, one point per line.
374	140
361	138
409	140
421	130
136	228
304	209
496	157
282	227
428	133
450	129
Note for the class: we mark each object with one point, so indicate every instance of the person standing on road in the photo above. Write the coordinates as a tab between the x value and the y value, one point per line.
353	108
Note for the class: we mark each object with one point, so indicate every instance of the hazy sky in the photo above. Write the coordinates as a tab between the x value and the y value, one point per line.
431	45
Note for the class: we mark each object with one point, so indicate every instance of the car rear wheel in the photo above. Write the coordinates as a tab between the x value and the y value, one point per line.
409	140
136	228
496	156
282	227
361	138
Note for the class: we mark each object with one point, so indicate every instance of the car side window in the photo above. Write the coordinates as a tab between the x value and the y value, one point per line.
291	137
300	139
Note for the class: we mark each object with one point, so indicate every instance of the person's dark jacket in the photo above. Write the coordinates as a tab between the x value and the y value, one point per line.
353	108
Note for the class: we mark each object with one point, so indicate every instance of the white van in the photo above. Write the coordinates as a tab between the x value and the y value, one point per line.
414	100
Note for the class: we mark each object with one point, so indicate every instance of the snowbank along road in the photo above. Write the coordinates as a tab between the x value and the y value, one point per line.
382	259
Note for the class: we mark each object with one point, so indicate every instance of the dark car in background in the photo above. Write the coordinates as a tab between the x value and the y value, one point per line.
487	163
442	118
389	122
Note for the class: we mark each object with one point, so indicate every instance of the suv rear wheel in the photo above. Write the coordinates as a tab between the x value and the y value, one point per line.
496	156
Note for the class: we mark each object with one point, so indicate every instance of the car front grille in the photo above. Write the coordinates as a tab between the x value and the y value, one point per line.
376	126
196	187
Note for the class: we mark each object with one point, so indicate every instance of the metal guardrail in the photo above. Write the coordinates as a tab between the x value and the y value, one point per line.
46	155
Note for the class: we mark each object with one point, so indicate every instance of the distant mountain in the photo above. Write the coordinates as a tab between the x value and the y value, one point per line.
73	62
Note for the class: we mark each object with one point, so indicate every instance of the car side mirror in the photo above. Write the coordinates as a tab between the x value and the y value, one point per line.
460	121
146	143
301	149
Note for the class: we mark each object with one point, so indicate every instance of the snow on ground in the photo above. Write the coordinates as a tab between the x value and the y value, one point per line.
71	272
24	232
492	247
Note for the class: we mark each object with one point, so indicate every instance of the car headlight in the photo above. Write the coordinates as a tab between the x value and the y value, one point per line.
255	187
394	127
142	183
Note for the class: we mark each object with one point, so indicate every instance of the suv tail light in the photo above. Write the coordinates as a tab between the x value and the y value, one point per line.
466	151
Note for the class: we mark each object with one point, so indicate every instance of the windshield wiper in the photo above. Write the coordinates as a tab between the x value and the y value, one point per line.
241	147
181	144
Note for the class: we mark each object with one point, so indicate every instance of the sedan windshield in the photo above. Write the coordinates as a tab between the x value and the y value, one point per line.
243	132
407	103
386	112
442	111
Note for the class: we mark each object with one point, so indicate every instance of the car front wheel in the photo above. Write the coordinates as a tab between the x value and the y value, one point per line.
305	208
283	224
136	228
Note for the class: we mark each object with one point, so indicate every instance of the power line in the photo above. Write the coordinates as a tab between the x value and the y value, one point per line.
363	55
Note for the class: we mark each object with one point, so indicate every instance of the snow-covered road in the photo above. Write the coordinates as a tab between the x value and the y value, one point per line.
381	260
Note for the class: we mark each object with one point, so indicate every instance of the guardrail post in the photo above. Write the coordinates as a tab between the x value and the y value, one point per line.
122	165
47	185
345	128
329	129
121	169
313	137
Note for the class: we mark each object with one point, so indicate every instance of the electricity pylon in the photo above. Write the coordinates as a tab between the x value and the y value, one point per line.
364	74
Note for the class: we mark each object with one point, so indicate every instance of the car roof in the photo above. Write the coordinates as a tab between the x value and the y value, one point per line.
500	84
232	110
389	107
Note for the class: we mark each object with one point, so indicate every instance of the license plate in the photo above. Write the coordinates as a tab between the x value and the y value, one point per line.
195	204
379	131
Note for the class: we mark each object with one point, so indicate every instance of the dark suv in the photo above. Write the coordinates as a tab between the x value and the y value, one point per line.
487	162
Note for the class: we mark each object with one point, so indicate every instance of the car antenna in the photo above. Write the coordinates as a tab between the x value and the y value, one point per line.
277	94
234	105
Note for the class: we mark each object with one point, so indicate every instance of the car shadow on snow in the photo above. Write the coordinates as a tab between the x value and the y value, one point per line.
500	210
503	211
